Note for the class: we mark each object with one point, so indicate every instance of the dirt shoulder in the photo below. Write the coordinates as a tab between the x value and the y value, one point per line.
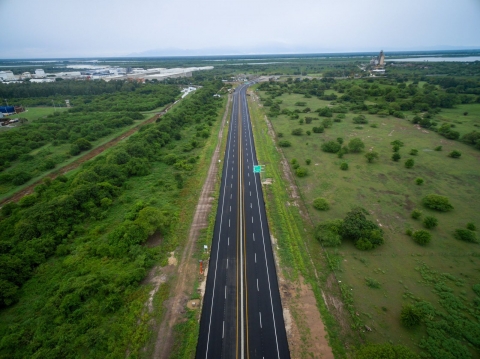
181	288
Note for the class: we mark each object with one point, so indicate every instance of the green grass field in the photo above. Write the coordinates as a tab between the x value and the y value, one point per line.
387	190
33	113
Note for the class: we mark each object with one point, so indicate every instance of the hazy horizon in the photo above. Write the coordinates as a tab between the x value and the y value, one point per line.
58	29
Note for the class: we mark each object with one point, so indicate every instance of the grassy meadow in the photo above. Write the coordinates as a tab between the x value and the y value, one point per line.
403	271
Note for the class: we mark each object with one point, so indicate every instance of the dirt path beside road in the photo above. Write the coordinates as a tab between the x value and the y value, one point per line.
175	306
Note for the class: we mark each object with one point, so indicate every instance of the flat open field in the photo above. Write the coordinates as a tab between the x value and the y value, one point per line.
406	271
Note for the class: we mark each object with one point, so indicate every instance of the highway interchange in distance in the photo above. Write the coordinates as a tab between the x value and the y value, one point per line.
242	313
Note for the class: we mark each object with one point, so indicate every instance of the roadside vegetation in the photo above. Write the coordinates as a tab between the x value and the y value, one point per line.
380	149
38	146
75	252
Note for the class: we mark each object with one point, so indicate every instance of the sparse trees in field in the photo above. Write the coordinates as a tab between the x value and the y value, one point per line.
409	163
356	145
371	156
437	203
422	237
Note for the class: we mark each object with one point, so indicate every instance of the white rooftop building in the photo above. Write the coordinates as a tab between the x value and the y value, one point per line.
7	76
39	73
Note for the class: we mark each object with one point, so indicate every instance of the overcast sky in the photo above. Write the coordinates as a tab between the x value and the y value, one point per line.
93	28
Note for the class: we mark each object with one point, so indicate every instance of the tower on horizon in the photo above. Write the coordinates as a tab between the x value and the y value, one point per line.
381	58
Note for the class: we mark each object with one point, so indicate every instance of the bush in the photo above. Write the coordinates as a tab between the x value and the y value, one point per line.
397	143
20	178
416	214
340	140
430	222
409	163
74	150
396	157
356	145
318	129
370	156
360	119
422	237
309	132
465	235
321	204
438	148
331	147
372	283
297	132
437	203
301	172
327	123
308	161
280	134
410	316
409	232
414	152
344	166
365	233
384	351
471	226
419	181
284	143
328	233
455	154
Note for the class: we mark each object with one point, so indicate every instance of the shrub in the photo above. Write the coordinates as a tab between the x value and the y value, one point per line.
374	125
384	351
280	134
455	154
471	226
397	143
465	235
309	132
416	214
414	152
321	204
327	123
430	222
410	316
308	161
409	232
437	203
360	119
328	233
409	163
419	181
331	147
297	132
396	157
372	283
344	166
370	156
356	145
365	233
422	237
340	140
308	120
74	150
284	143
20	178
318	129
301	172
396	148
438	148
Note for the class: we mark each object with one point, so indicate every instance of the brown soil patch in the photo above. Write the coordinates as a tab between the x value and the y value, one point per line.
175	305
193	304
28	190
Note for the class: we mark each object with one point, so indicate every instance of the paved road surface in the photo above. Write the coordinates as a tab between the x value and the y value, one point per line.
242	313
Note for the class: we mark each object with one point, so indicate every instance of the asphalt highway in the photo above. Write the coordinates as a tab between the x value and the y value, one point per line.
242	313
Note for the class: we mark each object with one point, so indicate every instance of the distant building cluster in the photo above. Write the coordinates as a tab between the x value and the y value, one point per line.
106	73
